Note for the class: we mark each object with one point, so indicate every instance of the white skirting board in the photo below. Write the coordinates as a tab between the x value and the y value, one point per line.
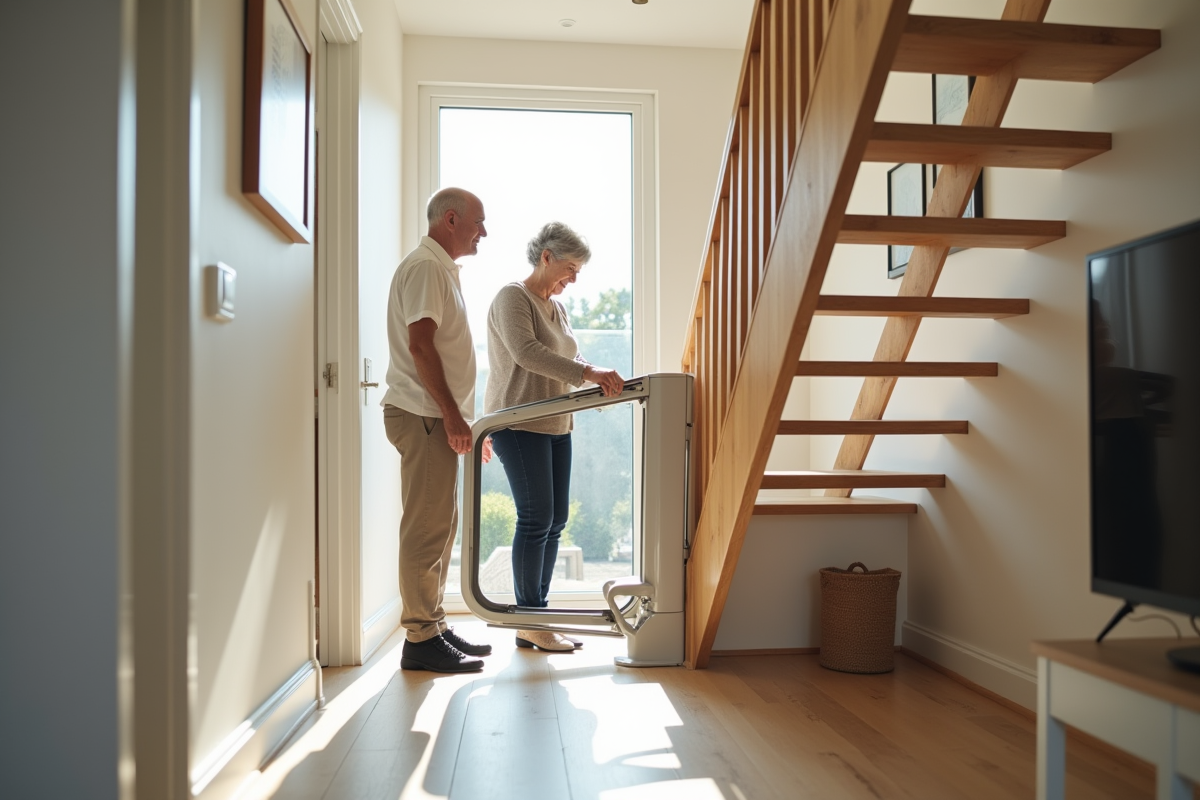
1005	678
379	626
221	774
775	599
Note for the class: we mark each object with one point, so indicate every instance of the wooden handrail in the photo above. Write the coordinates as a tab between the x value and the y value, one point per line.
811	79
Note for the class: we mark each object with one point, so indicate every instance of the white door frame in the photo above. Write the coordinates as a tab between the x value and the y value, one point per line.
338	406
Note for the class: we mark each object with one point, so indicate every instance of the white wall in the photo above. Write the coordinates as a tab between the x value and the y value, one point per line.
775	598
66	262
253	518
1000	557
695	98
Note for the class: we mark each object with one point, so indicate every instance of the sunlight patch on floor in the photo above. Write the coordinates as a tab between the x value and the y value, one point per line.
631	718
685	789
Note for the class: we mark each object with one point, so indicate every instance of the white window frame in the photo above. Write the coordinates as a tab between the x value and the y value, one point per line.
642	107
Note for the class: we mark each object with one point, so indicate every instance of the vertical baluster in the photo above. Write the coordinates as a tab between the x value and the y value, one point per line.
803	61
703	401
721	295
781	47
748	262
816	40
764	220
718	327
706	422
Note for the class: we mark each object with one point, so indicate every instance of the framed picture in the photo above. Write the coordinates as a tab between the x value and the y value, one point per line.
950	96
906	198
276	131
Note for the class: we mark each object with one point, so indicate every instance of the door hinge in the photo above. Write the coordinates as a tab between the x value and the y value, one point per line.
331	375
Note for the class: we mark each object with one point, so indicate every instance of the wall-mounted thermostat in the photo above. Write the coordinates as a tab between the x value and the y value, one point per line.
218	291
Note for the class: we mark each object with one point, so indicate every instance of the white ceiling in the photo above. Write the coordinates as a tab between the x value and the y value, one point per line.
674	23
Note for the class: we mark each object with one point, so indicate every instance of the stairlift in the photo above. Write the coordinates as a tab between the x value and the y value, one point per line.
647	607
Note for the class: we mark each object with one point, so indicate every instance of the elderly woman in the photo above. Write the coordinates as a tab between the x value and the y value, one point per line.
533	356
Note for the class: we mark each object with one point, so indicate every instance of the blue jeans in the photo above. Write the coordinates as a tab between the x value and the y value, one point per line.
538	466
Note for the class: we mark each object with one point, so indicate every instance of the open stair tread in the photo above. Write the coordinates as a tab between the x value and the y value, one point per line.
870	427
848	305
897	369
1037	50
766	506
949	231
851	479
902	142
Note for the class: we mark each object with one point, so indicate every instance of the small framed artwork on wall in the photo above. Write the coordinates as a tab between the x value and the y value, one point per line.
906	198
950	96
276	127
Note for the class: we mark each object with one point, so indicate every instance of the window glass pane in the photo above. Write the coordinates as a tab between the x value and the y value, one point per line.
529	168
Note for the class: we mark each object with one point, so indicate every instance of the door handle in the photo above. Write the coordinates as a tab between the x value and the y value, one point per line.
366	382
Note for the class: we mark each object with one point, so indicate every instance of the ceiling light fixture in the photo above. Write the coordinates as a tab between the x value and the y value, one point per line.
566	23
640	2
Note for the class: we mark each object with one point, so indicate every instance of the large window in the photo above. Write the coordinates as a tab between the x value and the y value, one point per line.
576	162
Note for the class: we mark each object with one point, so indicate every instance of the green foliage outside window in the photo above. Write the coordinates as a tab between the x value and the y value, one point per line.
613	311
497	522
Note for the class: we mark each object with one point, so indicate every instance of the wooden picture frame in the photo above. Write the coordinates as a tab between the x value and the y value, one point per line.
277	119
906	193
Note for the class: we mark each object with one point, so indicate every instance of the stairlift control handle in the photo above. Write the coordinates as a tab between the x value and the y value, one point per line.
625	587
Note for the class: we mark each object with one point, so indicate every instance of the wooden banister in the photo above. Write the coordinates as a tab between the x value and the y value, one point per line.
811	80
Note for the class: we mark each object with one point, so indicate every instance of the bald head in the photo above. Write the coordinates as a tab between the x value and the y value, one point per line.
456	221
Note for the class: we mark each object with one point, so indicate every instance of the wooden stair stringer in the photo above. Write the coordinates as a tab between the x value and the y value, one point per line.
986	107
860	47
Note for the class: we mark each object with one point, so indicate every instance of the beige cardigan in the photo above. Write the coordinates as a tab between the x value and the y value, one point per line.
532	354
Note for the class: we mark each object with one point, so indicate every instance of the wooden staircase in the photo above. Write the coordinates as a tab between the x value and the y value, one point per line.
803	122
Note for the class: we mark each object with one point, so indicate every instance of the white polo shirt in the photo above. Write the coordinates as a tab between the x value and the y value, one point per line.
426	285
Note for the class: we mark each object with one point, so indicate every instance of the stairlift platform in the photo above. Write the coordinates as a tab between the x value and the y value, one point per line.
647	607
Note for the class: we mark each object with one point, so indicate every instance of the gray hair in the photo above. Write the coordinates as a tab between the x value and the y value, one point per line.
561	241
449	199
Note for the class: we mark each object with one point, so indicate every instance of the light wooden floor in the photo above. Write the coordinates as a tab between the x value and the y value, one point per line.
535	726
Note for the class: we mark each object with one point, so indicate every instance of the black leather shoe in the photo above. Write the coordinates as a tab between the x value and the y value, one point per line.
437	655
462	644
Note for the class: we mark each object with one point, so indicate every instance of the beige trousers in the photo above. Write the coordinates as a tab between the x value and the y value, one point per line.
429	519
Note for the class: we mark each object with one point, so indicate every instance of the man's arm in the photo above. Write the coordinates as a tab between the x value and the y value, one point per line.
433	378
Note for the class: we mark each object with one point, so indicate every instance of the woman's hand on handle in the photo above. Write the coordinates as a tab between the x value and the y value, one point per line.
611	383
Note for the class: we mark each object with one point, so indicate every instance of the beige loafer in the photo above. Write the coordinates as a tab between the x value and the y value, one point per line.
544	640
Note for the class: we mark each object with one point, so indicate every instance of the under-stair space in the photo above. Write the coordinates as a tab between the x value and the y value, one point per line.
804	121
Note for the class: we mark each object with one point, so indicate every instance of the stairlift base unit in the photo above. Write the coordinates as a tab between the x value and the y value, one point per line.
655	596
658	643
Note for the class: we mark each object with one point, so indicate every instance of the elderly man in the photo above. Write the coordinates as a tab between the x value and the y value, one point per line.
429	401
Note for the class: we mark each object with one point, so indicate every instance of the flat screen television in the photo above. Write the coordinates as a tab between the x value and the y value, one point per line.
1145	423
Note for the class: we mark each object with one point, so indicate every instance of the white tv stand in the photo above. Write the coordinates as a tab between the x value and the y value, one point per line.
1124	692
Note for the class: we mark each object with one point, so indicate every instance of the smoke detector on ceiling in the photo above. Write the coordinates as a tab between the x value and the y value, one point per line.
566	23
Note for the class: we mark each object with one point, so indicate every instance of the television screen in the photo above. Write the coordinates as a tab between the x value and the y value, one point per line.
1145	420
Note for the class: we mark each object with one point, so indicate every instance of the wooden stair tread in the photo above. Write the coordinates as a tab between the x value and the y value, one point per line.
901	142
851	479
967	307
949	231
1037	50
831	505
869	427
898	369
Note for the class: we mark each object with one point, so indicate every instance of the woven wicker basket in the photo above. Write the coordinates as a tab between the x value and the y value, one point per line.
858	618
